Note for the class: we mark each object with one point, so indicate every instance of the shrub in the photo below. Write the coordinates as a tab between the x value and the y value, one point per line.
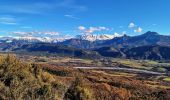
24	81
78	91
48	78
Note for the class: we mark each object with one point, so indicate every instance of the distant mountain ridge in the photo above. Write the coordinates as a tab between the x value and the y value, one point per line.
155	52
87	37
151	52
88	41
125	41
148	38
150	45
34	39
48	49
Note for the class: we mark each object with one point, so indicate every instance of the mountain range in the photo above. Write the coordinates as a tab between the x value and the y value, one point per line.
148	38
149	45
88	37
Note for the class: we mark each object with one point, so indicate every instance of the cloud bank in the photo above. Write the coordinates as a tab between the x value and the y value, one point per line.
91	30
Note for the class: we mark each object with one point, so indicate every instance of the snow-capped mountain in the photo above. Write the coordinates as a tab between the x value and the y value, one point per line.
34	39
6	39
93	37
89	37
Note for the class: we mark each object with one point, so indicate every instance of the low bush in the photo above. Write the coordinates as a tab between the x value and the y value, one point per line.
24	81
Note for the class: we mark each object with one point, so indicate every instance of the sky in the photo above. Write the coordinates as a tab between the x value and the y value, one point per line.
73	17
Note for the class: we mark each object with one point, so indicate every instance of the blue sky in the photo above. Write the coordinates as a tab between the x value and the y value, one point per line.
73	17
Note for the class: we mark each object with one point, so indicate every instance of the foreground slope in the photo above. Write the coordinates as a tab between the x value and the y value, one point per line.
24	81
20	80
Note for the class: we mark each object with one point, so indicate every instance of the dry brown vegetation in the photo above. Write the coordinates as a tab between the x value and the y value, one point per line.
25	81
20	80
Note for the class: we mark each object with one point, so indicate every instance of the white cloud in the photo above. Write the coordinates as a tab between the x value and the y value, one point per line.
35	33
135	27
104	28
131	25
96	29
138	30
81	28
92	29
50	33
71	16
8	21
20	33
117	35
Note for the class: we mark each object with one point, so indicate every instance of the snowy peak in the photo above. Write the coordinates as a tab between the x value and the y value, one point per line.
93	37
89	37
34	39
